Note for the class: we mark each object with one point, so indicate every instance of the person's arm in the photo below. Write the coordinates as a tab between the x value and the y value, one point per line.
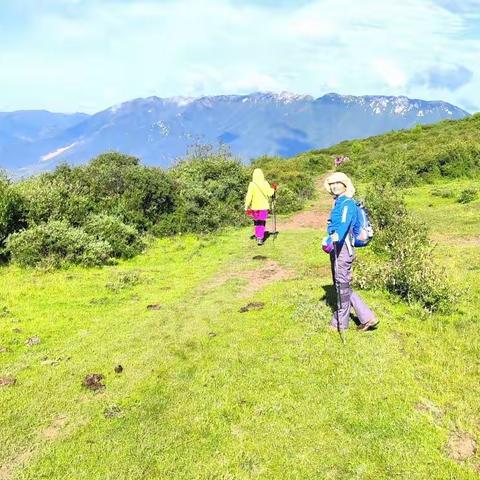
341	219
248	197
268	189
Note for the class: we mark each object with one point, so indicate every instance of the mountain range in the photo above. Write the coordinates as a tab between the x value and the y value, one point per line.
159	130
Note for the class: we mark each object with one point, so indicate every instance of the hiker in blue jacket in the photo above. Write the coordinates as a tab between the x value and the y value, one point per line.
340	245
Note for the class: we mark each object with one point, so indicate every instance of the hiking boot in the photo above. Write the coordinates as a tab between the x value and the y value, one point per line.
259	241
369	325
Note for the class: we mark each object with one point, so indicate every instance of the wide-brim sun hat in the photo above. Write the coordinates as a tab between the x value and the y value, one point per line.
342	178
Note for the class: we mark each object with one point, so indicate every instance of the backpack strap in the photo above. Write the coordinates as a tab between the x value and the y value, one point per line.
261	191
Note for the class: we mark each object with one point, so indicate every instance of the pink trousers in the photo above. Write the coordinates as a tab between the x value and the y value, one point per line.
260	220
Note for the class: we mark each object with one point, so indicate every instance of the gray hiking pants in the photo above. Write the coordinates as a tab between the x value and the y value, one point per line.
342	280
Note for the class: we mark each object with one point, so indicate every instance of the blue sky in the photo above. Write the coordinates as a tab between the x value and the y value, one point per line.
86	55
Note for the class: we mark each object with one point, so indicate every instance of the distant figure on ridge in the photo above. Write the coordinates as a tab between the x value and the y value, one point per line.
257	202
345	231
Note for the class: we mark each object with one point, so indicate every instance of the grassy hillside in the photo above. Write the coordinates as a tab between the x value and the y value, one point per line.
425	153
208	392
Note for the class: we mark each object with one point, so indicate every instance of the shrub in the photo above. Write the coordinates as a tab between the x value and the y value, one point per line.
124	240
468	195
290	173
55	196
209	194
55	244
119	185
287	201
12	212
403	264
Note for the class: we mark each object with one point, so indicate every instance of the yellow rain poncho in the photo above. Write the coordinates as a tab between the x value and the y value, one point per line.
259	192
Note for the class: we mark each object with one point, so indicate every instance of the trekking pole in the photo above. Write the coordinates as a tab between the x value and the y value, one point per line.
337	290
274	216
272	210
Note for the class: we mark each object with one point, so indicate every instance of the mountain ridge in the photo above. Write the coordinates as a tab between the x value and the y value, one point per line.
160	130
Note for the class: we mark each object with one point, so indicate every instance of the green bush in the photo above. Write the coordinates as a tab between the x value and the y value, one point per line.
403	264
119	185
12	212
210	191
55	244
290	173
58	195
124	240
287	201
468	195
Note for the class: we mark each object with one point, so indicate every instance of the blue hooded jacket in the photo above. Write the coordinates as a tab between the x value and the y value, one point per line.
342	217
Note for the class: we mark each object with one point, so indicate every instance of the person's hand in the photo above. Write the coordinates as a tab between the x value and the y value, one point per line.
274	185
327	245
334	237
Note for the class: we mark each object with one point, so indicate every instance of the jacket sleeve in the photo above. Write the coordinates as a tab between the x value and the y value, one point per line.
248	197
341	218
268	189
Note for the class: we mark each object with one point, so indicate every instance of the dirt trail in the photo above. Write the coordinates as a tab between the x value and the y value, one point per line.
268	272
315	217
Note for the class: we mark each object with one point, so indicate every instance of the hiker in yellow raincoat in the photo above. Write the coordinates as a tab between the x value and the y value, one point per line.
257	202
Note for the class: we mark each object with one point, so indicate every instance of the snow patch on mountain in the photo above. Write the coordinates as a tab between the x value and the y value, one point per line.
57	152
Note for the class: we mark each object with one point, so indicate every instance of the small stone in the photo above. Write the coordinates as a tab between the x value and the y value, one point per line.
154	306
212	334
33	341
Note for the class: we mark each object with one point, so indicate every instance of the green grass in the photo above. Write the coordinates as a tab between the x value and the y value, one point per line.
211	393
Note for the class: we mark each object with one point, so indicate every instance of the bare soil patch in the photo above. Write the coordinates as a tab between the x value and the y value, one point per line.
52	432
252	306
7	381
427	406
6	471
94	382
270	272
461	446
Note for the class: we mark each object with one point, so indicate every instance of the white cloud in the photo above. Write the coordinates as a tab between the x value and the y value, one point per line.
391	73
97	53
